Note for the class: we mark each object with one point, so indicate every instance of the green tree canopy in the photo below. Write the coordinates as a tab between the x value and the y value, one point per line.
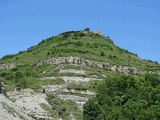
125	98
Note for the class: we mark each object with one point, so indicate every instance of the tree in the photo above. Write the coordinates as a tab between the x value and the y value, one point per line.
87	29
102	53
125	98
92	111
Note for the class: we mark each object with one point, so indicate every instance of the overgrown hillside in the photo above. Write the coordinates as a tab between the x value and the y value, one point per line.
63	72
84	44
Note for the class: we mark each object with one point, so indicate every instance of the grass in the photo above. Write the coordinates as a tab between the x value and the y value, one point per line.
89	45
52	112
64	108
32	83
75	86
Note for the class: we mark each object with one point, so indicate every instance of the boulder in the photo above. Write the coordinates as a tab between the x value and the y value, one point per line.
7	66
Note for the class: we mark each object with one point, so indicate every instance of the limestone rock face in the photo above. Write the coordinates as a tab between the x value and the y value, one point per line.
102	65
7	66
26	106
2	89
72	71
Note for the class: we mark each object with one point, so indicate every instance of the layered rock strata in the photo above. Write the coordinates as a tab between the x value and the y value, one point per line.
102	65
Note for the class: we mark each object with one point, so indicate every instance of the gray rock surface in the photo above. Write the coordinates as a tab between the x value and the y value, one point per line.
10	111
7	66
2	89
80	101
102	65
77	79
26	106
72	71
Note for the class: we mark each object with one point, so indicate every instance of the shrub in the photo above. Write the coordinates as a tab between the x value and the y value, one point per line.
65	35
49	53
76	34
8	57
81	34
87	29
79	43
3	74
108	37
89	45
110	56
114	57
102	53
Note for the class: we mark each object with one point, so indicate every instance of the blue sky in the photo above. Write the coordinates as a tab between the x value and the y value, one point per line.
132	24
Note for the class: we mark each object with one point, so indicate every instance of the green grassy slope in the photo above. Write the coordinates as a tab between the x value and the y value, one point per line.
80	44
73	43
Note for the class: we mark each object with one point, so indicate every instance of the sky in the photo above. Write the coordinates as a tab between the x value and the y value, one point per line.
132	24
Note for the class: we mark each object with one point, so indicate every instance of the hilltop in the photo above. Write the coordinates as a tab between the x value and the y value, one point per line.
54	79
85	44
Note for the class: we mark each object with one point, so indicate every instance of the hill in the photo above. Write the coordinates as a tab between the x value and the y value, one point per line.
54	79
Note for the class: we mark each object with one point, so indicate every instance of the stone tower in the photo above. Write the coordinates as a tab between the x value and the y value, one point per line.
98	32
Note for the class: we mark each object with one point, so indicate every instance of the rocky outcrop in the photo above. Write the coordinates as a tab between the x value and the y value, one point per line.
82	72
103	65
10	111
80	101
98	32
7	66
28	103
2	89
69	79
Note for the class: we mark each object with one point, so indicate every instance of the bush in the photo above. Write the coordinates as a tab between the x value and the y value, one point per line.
110	56
81	34
43	41
79	43
76	34
102	53
8	57
87	29
3	74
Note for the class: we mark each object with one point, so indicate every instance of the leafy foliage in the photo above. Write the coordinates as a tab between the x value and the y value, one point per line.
125	98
